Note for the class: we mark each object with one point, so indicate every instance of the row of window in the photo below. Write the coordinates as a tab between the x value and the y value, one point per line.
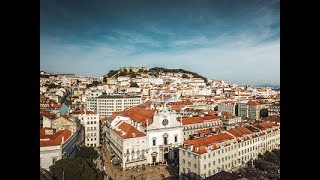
91	128
165	140
91	122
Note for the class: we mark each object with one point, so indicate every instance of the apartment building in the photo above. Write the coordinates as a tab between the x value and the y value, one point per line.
249	109
56	145
228	106
90	121
202	157
105	104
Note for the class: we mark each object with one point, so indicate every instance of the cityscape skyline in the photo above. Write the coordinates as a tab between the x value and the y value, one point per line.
233	41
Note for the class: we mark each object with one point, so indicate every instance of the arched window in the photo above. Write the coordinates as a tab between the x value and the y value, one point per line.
154	141
165	138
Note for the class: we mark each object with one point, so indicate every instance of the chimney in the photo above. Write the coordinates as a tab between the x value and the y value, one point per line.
133	134
62	141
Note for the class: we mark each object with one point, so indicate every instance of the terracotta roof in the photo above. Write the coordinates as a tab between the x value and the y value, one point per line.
202	150
244	130
226	115
265	125
114	115
213	113
208	141
253	103
235	133
145	104
195	120
103	120
82	111
137	114
54	139
127	131
204	131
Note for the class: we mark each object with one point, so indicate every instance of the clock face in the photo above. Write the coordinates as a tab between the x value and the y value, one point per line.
165	122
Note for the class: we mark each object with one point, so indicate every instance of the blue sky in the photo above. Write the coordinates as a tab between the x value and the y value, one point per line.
236	41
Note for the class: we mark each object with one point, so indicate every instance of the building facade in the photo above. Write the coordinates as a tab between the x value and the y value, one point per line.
55	146
205	156
249	109
228	106
91	124
105	104
144	136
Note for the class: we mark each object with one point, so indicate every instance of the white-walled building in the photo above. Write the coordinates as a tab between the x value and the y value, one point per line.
202	157
55	146
105	104
90	121
144	136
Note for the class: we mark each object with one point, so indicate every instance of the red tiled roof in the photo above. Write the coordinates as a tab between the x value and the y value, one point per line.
208	141
253	103
226	115
55	139
145	104
137	114
127	131
244	130
195	120
213	113
103	120
114	115
204	131
202	150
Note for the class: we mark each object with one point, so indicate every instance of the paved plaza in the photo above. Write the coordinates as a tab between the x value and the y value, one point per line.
147	173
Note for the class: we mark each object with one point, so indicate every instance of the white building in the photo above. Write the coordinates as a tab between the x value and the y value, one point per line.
202	157
55	146
105	104
90	121
141	136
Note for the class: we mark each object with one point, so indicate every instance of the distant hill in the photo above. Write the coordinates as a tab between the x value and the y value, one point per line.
269	85
153	71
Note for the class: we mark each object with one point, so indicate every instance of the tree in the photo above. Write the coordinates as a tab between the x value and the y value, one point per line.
96	83
112	73
133	84
133	75
87	153
140	70
52	86
75	168
123	73
269	156
75	97
264	112
185	76
104	79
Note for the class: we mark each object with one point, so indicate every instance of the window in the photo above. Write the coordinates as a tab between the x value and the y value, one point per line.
175	138
154	143
209	155
205	166
165	140
54	160
184	161
189	163
209	165
195	165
